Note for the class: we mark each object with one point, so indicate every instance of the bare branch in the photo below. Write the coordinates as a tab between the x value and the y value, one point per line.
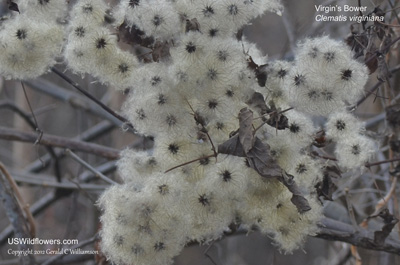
337	231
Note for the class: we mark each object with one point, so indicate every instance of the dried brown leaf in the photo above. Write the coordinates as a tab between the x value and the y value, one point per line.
257	102
192	25
232	146
390	221
245	129
326	187
160	50
297	199
133	35
357	42
371	61
12	6
260	159
258	155
239	34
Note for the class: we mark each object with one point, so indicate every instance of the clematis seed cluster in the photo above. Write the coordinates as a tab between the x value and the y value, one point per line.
188	99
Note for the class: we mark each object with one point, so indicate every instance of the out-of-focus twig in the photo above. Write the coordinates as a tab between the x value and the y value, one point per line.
23	206
290	30
47	200
92	133
15	214
92	169
10	105
57	141
372	90
46	181
72	98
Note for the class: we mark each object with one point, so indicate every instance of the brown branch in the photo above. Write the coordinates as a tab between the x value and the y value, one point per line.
368	165
15	214
57	141
18	196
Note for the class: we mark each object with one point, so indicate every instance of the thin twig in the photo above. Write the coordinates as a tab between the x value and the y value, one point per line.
46	181
74	99
393	10
92	169
101	104
372	90
208	255
189	162
91	134
57	141
368	165
383	49
350	209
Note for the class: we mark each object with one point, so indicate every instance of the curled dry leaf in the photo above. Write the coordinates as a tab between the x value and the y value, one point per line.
12	6
192	25
161	50
257	102
326	187
297	199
